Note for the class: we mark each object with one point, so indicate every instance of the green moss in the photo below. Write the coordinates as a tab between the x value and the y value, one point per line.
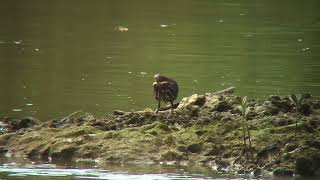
5	138
182	148
162	127
77	131
169	140
63	153
308	162
171	156
195	148
282	171
89	151
207	137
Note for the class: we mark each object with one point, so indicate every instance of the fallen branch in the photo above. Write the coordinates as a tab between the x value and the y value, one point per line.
67	117
229	90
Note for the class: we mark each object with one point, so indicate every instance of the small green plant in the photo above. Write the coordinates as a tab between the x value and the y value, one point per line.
245	127
296	99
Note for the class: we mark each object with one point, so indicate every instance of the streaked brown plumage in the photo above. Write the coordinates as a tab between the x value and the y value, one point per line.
165	89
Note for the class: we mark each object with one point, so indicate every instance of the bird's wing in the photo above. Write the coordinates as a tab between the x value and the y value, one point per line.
164	84
156	90
159	87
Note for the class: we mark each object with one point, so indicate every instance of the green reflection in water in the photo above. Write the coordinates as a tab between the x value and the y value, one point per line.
61	56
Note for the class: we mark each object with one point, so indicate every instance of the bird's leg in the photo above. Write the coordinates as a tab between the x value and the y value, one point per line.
158	107
171	111
171	107
169	115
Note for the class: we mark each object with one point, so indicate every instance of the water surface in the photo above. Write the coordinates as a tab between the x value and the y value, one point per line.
57	57
37	170
17	168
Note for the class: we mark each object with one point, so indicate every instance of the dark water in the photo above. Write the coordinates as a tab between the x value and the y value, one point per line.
57	57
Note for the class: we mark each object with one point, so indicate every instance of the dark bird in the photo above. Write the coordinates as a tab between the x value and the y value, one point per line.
165	89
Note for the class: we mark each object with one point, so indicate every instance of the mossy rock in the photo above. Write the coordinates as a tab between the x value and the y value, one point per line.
227	154
306	109
163	127
314	123
109	135
207	159
304	166
308	165
77	131
313	143
213	151
283	171
3	150
89	151
281	122
305	126
195	147
222	163
222	106
64	153
290	147
37	150
5	138
169	140
182	148
15	124
270	109
172	156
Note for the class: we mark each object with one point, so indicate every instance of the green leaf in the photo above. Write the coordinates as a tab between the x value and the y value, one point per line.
296	99
247	111
240	108
299	98
244	101
293	99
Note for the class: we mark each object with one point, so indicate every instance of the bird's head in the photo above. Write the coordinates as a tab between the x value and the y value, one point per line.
159	78
155	84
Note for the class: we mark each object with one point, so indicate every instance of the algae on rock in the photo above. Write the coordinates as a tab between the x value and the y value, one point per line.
204	129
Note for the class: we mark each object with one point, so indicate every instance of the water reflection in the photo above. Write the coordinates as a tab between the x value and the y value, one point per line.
67	56
40	171
17	168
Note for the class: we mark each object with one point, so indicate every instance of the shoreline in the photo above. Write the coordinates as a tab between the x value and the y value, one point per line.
205	129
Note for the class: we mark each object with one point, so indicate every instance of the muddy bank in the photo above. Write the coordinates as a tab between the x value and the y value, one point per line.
205	129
